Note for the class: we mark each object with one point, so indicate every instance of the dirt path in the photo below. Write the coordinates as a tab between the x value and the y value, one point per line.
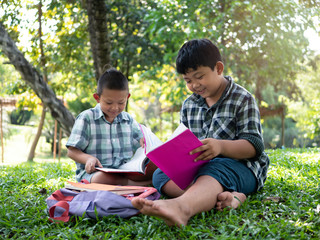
17	147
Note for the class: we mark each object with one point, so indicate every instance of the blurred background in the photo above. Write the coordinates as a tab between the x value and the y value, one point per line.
270	47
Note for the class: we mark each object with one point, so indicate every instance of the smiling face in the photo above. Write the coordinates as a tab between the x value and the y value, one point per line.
112	102
206	82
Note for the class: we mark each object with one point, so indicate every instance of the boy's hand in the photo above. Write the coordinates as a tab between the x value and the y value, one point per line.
142	142
211	148
91	165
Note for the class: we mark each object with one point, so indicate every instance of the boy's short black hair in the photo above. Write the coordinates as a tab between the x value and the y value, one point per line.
196	53
112	79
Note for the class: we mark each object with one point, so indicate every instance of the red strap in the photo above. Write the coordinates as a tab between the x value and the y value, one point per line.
148	191
65	215
85	181
58	195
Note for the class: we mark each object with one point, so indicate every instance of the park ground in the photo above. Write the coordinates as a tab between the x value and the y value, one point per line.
287	208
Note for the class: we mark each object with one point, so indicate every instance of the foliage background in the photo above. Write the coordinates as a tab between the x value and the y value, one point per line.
263	44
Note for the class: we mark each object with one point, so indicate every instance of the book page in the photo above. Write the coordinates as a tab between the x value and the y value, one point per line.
135	164
119	190
180	129
151	141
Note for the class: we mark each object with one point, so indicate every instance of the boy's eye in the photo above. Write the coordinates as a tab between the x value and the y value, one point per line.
201	76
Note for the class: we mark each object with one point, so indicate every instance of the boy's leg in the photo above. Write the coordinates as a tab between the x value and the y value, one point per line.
233	175
204	194
200	197
108	178
136	177
122	178
165	185
116	179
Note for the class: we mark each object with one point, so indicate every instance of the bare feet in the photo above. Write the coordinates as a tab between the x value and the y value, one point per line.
230	199
169	210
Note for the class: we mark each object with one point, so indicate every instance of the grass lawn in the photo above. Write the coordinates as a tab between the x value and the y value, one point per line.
287	208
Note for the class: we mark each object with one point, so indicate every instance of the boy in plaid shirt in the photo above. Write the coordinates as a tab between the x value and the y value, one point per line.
106	136
225	117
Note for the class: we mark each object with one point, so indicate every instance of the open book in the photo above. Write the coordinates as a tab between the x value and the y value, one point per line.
173	157
136	164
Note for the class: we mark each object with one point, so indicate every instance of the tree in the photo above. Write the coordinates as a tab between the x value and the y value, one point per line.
99	38
261	41
35	81
45	77
306	109
132	50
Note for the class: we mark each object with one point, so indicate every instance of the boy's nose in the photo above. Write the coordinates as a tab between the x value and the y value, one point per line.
196	85
113	107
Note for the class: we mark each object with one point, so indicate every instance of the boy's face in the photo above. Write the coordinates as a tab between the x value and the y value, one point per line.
206	82
112	102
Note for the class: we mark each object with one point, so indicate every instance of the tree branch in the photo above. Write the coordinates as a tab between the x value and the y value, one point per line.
35	81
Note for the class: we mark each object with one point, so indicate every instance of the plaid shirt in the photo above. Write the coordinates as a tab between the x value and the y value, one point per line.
234	116
113	144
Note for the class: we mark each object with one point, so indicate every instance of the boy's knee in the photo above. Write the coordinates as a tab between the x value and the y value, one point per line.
159	178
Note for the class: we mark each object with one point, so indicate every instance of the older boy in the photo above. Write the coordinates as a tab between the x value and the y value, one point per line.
106	136
225	117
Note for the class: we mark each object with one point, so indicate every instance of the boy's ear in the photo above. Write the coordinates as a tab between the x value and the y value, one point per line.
129	95
96	97
220	67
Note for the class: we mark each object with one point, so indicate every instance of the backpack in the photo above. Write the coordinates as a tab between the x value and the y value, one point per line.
64	203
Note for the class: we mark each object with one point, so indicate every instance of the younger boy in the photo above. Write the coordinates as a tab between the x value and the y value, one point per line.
225	117
106	136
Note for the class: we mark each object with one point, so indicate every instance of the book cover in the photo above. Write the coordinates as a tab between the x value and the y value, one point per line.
173	157
119	190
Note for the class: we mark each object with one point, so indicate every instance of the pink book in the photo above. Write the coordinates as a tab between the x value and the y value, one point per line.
173	157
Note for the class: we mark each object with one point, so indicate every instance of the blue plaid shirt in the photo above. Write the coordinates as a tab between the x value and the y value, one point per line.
112	143
235	116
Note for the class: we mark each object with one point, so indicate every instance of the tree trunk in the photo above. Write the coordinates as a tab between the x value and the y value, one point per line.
99	38
35	81
45	77
37	137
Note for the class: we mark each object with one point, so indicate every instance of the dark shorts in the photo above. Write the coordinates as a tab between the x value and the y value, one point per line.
233	175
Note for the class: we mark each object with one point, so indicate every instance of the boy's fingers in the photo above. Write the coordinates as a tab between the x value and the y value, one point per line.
142	142
99	164
205	156
202	157
199	149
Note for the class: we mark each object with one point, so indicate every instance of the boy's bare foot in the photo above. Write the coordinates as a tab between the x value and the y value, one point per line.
169	210
230	199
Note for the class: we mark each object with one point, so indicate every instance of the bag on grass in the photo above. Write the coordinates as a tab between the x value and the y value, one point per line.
64	203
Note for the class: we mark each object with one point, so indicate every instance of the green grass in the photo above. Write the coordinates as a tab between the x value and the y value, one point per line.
287	208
